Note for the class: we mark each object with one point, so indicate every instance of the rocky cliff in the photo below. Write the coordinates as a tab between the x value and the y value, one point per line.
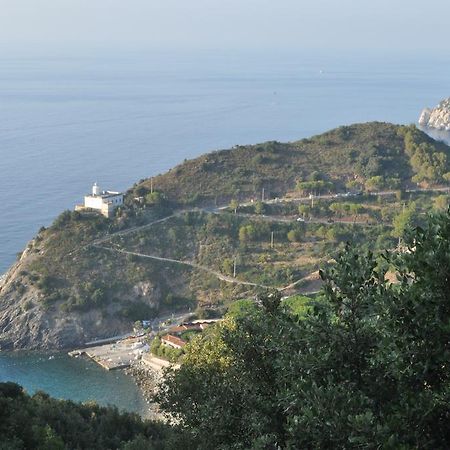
438	117
27	323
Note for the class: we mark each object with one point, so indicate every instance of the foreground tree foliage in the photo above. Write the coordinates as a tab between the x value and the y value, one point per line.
40	422
366	367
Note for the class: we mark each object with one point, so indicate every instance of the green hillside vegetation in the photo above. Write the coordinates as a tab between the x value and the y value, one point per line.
61	262
216	242
85	262
383	154
365	366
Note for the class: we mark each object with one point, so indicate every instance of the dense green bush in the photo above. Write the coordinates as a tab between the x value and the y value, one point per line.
367	366
428	164
39	422
138	311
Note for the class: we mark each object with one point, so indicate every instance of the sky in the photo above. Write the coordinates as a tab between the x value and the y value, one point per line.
408	25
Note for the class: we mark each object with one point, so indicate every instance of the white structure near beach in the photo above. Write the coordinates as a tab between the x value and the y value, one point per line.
104	202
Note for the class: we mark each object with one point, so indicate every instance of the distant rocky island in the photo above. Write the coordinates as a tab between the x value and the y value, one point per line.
438	117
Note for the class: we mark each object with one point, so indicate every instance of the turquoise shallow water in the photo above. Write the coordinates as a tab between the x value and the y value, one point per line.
71	378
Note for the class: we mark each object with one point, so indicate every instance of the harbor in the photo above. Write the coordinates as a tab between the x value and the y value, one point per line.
122	352
115	355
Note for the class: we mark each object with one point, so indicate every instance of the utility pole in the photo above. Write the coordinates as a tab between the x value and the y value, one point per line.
262	195
151	185
271	239
234	268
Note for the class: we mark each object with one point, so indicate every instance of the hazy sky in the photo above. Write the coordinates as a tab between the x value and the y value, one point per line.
226	24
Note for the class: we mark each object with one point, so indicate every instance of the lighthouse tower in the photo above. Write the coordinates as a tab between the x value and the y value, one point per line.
95	190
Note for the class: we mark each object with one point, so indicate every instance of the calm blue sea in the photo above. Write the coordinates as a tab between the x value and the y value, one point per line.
66	122
76	379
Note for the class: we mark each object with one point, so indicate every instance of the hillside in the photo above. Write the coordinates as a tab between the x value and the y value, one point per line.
169	249
341	156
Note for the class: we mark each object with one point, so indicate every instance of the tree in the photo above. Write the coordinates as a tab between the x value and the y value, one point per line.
403	220
375	183
355	209
429	165
259	207
247	233
234	362
304	210
353	185
337	208
367	366
295	235
227	266
154	198
441	202
415	335
314	186
43	423
234	205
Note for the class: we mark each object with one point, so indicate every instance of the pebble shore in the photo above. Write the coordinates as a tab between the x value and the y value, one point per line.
146	379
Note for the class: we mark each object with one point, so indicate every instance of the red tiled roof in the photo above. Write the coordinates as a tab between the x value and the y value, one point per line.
174	340
185	327
178	329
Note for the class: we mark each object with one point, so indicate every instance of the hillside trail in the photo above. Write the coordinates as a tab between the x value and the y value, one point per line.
226	278
217	274
223	208
219	210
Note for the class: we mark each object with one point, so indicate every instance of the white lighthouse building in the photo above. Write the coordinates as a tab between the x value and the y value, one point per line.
104	202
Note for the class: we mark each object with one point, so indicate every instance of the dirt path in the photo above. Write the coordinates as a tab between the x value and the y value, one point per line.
218	210
228	279
221	209
219	275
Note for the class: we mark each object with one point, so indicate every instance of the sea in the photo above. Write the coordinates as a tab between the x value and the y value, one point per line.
76	379
69	120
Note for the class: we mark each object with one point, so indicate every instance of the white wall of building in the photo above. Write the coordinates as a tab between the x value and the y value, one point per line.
93	202
116	200
105	202
97	202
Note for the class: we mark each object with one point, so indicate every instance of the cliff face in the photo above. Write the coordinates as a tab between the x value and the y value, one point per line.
438	117
34	308
27	323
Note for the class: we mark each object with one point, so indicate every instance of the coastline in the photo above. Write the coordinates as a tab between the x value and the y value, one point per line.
118	355
76	379
146	379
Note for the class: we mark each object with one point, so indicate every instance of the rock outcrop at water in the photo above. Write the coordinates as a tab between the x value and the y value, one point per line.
438	117
145	378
